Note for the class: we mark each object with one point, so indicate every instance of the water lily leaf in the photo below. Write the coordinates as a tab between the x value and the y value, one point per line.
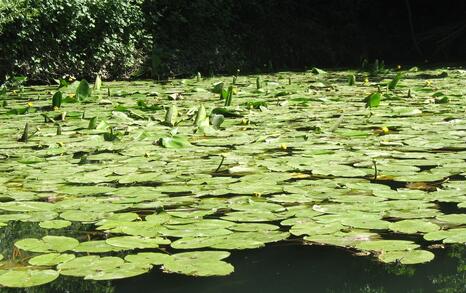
454	219
200	263
174	142
125	270
83	90
27	278
373	100
171	116
407	257
394	82
253	216
81	216
363	223
50	259
252	227
387	245
55	224
13	217
133	242
343	239
47	244
148	258
316	70
413	226
457	235
313	228
96	246
26	206
88	265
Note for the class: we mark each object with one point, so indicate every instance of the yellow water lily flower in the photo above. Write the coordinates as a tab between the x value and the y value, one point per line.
30	104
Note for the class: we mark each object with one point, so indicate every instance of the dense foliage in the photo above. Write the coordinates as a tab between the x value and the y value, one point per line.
44	39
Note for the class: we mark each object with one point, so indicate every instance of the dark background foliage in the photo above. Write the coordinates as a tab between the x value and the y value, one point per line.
45	39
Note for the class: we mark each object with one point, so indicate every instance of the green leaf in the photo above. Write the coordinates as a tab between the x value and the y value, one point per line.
373	100
199	263
98	83
57	99
133	242
413	226
51	259
387	245
394	82
171	115
174	142
47	244
407	257
27	278
316	70
83	90
54	224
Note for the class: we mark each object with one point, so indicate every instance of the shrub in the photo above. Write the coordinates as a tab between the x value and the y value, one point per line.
46	39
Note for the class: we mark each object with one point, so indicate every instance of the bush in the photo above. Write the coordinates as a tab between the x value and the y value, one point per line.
46	39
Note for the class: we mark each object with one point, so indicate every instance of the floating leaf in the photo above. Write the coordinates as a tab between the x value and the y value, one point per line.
373	100
133	242
50	259
413	226
83	90
47	244
174	142
27	278
407	257
387	245
200	263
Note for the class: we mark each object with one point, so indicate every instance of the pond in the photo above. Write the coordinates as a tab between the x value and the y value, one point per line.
343	180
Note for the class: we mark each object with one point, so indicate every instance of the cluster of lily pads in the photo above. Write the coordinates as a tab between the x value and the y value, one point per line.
127	176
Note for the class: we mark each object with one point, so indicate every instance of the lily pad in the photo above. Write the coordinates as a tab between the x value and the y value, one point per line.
47	244
51	259
27	278
407	257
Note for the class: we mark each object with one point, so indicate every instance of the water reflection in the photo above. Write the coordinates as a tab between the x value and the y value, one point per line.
275	268
295	268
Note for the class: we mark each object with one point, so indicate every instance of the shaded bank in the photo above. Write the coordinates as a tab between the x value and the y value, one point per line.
176	37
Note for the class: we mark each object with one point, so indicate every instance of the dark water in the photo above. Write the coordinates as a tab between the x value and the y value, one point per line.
282	267
292	268
296	268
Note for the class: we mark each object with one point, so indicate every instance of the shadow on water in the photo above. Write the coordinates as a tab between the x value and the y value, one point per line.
288	267
295	268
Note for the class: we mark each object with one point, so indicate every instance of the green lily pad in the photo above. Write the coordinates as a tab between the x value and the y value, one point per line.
51	259
132	242
88	265
47	244
96	246
200	263
455	219
148	258
27	278
125	270
55	224
413	226
407	257
387	245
